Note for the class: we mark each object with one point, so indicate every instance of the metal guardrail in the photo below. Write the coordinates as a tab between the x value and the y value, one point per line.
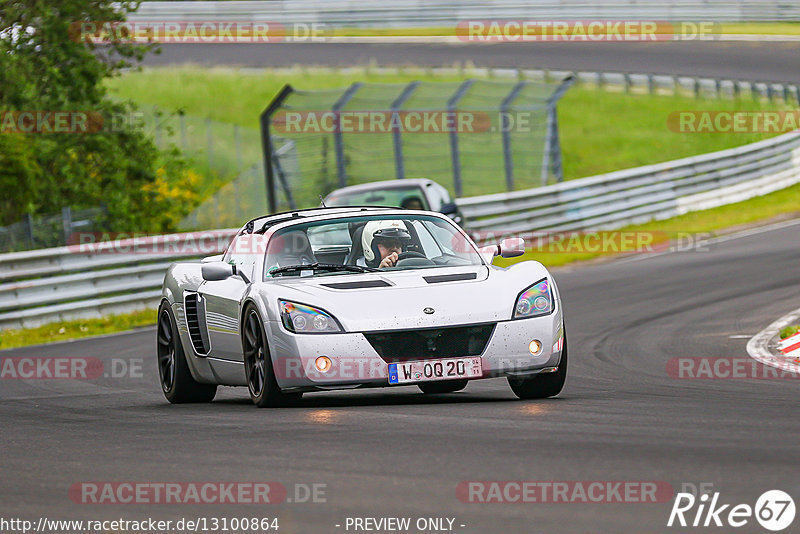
96	279
421	13
64	283
641	194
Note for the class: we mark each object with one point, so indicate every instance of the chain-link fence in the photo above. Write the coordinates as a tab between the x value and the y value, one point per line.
219	151
43	231
474	137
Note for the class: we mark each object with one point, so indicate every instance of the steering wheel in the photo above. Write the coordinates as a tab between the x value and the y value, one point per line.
411	257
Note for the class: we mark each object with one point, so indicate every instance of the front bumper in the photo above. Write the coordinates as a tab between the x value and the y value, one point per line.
356	363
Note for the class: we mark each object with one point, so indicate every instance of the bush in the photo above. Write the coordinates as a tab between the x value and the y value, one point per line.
47	67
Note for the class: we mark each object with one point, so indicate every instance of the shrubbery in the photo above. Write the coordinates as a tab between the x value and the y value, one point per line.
46	67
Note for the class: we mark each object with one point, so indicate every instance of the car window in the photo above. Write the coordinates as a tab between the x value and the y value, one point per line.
378	197
244	251
418	242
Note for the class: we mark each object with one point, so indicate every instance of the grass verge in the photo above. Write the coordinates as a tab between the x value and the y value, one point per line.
789	331
66	330
601	131
706	223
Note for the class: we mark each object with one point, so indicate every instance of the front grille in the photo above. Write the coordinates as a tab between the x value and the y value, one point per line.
450	342
193	323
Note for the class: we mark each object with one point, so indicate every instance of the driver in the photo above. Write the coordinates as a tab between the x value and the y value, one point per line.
383	242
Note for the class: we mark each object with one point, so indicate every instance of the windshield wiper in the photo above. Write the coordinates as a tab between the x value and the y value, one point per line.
323	266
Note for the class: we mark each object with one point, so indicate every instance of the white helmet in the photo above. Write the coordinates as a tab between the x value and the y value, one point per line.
377	230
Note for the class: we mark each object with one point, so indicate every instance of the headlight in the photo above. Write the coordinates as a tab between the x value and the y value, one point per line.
303	319
535	301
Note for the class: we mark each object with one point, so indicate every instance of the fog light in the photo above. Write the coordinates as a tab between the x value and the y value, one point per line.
323	364
535	347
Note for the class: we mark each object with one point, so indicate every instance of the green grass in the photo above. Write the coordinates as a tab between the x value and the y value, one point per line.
788	331
62	331
705	222
601	131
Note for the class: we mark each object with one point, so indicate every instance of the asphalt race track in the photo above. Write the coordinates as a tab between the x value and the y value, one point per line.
759	61
621	416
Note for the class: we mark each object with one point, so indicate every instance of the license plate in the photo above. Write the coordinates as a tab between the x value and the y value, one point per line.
430	370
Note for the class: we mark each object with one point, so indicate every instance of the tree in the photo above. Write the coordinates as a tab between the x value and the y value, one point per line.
50	67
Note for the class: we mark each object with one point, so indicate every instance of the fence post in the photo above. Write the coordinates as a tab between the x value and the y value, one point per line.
325	183
552	144
237	139
397	139
66	223
266	144
184	139
157	126
236	201
454	155
216	210
338	143
506	135
651	84
29	225
627	82
209	144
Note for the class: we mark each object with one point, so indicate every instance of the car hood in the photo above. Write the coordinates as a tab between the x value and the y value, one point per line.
404	299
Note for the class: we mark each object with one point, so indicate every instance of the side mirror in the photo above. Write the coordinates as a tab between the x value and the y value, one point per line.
512	247
214	271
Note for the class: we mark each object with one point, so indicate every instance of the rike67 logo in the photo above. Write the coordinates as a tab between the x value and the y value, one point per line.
774	510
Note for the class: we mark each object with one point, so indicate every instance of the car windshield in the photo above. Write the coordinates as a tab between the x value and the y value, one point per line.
406	197
367	244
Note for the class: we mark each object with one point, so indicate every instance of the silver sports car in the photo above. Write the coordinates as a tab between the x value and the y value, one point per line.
342	298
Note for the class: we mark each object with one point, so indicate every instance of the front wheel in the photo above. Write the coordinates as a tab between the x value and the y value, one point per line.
177	382
264	389
445	386
542	385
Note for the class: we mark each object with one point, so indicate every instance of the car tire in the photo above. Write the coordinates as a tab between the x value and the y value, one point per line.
445	386
542	385
176	379
261	383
